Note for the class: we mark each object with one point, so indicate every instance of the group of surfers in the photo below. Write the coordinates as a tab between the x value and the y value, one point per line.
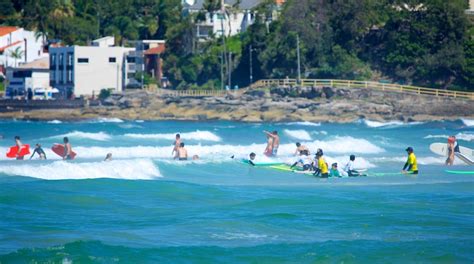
39	150
318	165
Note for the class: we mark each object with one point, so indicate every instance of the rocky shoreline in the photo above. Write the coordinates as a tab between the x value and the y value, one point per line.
314	104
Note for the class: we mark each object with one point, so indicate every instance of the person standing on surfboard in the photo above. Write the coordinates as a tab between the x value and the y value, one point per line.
411	164
19	145
67	149
177	144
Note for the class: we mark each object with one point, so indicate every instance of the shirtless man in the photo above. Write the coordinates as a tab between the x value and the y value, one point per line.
177	143
276	141
182	152
300	148
67	149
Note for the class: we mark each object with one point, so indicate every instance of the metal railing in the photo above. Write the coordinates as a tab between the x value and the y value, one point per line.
407	89
191	93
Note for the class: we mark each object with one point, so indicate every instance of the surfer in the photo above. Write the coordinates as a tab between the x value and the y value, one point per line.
306	161
411	164
182	152
322	169
252	158
40	151
108	157
300	148
269	148
453	147
276	141
67	149
349	168
177	144
334	172
19	145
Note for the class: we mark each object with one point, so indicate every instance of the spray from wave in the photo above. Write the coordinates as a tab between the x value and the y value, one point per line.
137	169
100	136
376	124
305	123
468	122
459	136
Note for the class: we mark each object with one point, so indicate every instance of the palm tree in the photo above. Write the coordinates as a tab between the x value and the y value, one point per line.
17	54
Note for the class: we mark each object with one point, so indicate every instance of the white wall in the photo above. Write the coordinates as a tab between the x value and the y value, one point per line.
238	23
32	47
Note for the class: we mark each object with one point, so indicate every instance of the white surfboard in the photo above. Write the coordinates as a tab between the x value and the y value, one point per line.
466	154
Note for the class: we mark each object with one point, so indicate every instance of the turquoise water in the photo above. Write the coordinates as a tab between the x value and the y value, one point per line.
144	207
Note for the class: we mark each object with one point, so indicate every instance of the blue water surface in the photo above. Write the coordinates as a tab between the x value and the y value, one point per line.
144	207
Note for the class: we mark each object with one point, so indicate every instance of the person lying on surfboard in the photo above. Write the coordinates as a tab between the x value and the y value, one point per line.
252	158
40	151
67	149
19	145
334	172
411	164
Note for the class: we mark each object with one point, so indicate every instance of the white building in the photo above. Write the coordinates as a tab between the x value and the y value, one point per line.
12	38
231	23
85	70
470	11
30	76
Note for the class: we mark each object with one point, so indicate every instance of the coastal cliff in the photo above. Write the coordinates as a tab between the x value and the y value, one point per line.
270	105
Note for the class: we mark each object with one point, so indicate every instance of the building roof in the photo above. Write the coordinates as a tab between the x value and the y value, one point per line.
7	30
11	45
156	50
244	4
42	63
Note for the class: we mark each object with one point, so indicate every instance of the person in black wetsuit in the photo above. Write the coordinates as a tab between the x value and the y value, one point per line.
40	151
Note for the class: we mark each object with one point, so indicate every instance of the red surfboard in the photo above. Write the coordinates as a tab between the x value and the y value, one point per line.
60	150
13	151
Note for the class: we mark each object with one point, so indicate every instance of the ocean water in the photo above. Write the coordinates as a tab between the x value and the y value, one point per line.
144	207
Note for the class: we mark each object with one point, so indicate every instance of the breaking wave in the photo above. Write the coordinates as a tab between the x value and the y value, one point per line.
468	122
99	136
459	136
196	135
142	169
376	124
298	134
305	123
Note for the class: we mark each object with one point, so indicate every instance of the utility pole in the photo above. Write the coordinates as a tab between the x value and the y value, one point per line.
251	66
298	55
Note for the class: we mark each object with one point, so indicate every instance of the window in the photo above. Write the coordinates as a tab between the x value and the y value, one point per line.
16	83
131	59
112	59
82	60
61	60
69	76
69	59
21	74
52	63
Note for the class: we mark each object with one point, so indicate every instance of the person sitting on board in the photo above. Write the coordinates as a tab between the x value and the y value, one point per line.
182	152
19	145
411	164
322	168
305	160
108	157
300	148
276	141
349	168
334	172
40	151
67	149
252	158
177	143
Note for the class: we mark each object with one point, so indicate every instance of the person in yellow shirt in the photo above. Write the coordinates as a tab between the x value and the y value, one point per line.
322	169
411	165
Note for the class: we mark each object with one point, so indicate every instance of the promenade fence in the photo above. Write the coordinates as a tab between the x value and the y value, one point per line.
192	93
407	89
13	104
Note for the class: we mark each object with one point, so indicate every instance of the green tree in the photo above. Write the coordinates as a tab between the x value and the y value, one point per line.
17	54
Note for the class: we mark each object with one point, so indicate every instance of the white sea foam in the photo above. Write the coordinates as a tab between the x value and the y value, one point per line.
298	134
106	120
55	122
468	122
196	135
143	169
376	124
459	136
305	123
99	136
425	160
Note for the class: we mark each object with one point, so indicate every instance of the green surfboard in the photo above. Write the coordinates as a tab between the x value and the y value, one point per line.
460	172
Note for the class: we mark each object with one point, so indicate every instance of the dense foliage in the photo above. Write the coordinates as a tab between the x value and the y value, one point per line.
421	42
